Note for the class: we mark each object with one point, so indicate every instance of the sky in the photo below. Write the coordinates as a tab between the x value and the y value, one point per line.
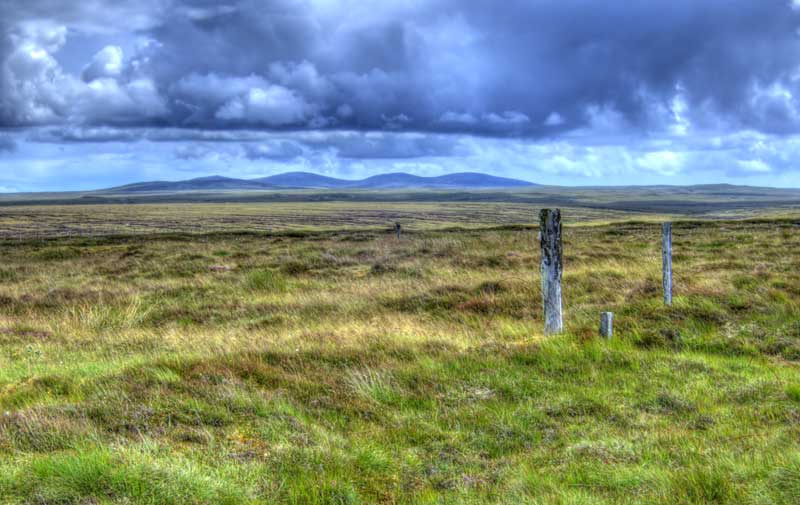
568	92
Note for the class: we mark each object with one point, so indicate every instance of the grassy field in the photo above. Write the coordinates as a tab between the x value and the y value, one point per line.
42	221
332	363
35	215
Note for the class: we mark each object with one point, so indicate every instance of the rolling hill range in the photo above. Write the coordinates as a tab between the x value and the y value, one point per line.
307	180
213	183
711	200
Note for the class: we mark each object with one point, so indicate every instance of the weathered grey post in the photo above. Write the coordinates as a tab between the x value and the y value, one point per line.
607	324
666	255
552	266
398	229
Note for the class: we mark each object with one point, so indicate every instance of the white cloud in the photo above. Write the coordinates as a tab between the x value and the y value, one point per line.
214	89
43	34
395	122
105	99
554	119
40	92
680	124
661	162
757	166
91	16
203	13
35	90
272	105
463	118
507	118
247	100
108	62
302	77
775	106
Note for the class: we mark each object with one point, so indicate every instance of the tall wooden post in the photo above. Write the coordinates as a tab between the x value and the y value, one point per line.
666	255
552	266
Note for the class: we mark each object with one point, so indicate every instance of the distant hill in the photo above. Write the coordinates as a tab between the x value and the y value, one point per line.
463	180
307	180
213	183
304	180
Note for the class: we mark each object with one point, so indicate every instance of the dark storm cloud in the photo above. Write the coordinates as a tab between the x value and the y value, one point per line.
103	134
517	68
256	145
92	135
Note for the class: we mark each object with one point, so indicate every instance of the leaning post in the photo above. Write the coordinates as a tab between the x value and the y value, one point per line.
666	254
552	267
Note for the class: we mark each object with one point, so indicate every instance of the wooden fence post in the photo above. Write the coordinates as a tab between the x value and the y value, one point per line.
666	256
552	266
607	324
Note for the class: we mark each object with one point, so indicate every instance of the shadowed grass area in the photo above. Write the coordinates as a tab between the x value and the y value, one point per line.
353	367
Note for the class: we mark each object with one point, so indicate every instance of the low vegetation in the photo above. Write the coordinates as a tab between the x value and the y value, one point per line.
25	216
348	366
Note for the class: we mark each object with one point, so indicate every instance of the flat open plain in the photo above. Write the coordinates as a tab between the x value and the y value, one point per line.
298	352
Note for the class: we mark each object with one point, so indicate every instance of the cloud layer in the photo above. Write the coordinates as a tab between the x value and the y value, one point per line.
525	68
572	89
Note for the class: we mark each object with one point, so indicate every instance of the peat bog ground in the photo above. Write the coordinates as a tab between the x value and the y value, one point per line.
337	364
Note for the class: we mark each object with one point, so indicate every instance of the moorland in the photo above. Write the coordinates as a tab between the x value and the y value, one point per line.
289	348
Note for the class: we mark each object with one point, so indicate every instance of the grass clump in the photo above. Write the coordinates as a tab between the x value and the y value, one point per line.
785	481
793	392
267	281
98	475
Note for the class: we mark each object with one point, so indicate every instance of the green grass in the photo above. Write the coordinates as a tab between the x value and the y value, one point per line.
352	367
266	280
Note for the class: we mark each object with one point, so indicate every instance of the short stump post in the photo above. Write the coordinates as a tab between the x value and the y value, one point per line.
607	324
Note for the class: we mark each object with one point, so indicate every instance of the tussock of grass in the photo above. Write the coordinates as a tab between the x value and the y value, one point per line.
266	281
139	477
